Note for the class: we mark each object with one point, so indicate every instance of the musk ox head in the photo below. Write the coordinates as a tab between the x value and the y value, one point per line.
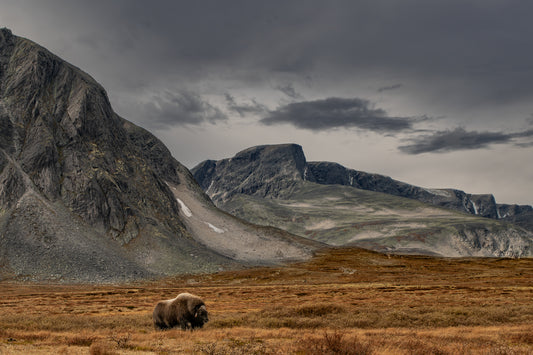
200	317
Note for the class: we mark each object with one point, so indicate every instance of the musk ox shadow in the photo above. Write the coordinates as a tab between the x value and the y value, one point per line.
188	311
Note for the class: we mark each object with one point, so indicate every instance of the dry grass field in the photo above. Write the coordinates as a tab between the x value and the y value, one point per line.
344	301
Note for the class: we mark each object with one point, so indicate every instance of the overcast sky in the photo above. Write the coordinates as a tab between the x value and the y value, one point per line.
434	93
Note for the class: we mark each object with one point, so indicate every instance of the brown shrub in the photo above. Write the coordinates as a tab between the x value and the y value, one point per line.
334	343
121	340
319	310
81	340
524	337
417	347
102	348
234	347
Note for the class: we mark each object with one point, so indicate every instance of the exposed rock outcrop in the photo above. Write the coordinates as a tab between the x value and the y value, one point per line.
264	171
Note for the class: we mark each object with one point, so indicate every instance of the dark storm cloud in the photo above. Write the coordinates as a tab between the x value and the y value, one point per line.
460	139
482	44
332	113
194	38
243	109
480	49
179	108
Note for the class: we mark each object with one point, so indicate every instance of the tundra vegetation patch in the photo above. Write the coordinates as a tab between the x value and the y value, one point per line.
343	301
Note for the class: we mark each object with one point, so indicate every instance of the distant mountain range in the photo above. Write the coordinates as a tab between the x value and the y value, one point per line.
87	196
259	182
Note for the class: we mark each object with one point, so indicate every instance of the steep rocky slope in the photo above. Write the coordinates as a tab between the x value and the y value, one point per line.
275	186
265	171
84	194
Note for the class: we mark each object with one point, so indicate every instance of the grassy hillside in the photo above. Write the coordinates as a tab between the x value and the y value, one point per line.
343	301
341	215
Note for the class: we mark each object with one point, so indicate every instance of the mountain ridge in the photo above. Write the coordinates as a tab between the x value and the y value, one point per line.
339	206
328	173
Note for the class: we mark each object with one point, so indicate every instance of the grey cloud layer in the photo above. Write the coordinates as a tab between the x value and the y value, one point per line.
336	112
480	42
179	108
460	139
244	108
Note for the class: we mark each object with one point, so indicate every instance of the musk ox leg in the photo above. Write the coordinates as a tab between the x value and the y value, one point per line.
160	326
197	325
184	324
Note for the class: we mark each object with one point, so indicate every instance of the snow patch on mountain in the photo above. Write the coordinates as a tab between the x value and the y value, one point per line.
439	192
186	211
475	207
215	229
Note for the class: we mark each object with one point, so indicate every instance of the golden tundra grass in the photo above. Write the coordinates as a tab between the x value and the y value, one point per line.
344	301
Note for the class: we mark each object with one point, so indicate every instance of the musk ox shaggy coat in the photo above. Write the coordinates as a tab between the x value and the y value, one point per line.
186	310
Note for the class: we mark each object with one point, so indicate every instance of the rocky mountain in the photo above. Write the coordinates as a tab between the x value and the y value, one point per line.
87	196
265	171
294	167
275	185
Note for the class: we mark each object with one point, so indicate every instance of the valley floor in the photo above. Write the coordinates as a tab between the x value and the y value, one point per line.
343	301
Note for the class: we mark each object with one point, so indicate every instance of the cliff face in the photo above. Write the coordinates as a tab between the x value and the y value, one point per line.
86	195
263	171
60	133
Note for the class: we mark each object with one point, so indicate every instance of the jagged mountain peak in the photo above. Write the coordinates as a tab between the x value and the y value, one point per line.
39	86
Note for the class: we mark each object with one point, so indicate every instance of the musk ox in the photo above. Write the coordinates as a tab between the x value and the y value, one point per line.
186	310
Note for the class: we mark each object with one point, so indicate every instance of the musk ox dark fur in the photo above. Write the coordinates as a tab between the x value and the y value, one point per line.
188	311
